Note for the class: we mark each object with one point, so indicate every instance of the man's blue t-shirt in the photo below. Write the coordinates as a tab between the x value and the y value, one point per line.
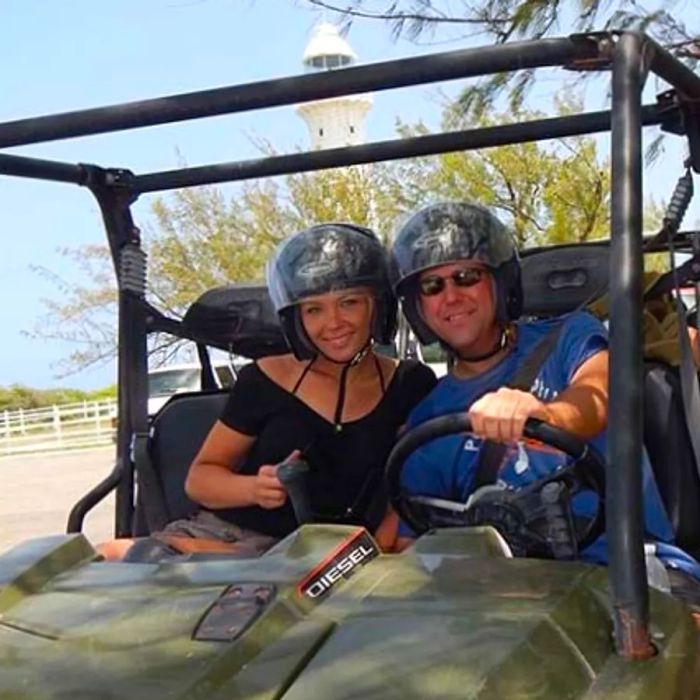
446	467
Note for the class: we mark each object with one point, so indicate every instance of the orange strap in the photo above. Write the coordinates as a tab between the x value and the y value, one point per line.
190	545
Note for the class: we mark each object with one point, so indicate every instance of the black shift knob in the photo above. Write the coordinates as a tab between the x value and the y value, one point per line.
293	475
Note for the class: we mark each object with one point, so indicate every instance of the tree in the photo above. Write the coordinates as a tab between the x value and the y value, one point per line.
548	192
82	314
202	238
501	21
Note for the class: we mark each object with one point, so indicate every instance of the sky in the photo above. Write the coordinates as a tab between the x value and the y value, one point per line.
60	56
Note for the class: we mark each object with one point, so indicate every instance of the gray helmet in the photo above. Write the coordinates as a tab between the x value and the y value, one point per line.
328	258
446	233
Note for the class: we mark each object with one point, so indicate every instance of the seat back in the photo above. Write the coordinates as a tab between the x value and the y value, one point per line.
177	432
670	451
563	278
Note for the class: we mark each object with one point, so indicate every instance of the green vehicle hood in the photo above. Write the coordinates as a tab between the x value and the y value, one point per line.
453	617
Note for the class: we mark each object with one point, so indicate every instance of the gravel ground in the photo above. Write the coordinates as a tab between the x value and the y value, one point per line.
39	491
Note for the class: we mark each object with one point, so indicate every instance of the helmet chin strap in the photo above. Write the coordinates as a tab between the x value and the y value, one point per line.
354	360
359	355
347	365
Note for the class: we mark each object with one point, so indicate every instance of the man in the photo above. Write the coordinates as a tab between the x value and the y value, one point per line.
457	273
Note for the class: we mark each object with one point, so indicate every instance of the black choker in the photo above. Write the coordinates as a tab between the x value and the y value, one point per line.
500	344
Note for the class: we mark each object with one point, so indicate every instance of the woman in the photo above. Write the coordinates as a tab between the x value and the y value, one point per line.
333	401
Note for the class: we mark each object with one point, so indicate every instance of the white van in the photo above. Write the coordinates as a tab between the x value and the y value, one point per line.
165	381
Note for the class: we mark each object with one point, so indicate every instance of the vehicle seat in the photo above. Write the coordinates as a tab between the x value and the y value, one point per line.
670	451
177	432
560	279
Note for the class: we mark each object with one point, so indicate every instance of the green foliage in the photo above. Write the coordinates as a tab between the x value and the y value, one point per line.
204	240
549	192
83	314
18	396
107	392
653	217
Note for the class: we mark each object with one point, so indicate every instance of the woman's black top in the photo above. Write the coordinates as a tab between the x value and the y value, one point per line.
346	483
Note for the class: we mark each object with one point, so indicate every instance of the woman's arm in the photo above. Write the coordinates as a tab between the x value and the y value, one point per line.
385	534
213	482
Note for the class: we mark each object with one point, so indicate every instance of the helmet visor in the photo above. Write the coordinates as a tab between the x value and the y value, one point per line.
448	233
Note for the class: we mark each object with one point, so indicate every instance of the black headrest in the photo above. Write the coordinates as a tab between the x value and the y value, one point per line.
563	278
236	318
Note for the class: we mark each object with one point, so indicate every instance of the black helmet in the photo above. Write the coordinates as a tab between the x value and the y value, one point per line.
328	258
449	232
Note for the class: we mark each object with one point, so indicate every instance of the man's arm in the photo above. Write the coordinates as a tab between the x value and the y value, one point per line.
582	408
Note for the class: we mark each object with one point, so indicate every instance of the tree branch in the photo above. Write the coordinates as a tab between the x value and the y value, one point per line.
440	18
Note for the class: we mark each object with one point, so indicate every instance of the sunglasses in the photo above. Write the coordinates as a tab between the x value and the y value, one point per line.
430	285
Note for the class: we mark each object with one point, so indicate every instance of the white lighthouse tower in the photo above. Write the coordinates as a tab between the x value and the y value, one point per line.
338	121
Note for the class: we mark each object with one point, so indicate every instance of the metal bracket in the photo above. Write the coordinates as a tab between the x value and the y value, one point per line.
604	42
682	117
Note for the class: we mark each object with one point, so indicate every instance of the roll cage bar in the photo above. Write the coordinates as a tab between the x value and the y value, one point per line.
630	57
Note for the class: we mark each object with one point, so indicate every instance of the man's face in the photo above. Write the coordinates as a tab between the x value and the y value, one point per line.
458	304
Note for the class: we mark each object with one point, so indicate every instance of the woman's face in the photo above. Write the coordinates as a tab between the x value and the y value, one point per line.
339	323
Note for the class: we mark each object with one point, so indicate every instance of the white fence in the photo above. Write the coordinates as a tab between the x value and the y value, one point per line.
66	427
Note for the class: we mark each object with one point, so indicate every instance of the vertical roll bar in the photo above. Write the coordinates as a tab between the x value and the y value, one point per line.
625	530
132	373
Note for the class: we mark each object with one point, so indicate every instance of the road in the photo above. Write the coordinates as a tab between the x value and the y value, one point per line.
39	490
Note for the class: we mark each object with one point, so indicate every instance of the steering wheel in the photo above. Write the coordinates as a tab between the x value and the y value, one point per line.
516	514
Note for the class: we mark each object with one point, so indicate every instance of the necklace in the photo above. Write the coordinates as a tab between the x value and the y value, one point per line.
505	343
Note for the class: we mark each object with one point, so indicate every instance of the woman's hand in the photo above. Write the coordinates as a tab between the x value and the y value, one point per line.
501	415
386	533
268	491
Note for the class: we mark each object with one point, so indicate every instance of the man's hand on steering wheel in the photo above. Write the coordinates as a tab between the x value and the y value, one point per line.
500	415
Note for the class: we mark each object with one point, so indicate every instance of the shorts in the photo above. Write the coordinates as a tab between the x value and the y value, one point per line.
206	525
